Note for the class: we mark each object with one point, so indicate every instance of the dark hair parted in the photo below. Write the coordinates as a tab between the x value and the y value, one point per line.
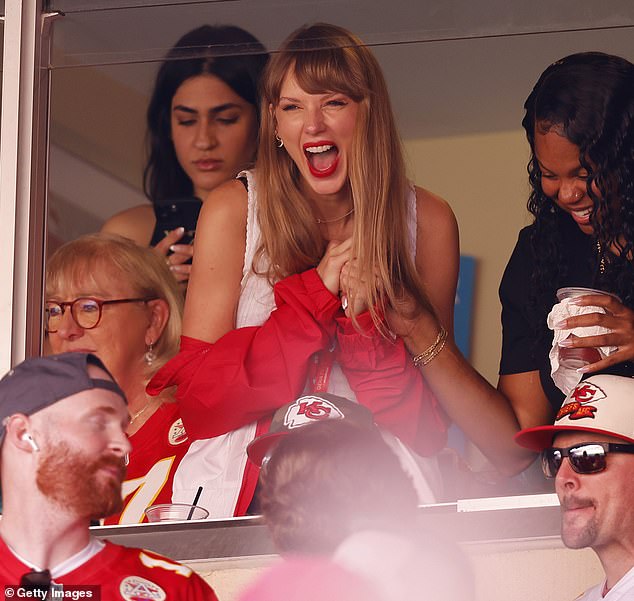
225	51
589	99
329	479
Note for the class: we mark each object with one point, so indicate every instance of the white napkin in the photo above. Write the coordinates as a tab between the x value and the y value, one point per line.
567	379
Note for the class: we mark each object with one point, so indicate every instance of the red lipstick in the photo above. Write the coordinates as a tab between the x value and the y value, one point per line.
326	148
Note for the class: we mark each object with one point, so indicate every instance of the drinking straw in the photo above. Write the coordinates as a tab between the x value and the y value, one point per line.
198	493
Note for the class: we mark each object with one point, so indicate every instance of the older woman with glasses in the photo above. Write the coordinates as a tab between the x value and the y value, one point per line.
108	296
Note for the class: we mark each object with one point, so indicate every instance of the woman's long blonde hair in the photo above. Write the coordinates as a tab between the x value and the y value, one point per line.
322	58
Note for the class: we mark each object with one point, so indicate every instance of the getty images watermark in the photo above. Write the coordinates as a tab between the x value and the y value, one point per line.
56	591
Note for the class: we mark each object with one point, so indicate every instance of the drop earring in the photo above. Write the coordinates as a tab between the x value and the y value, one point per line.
280	142
150	355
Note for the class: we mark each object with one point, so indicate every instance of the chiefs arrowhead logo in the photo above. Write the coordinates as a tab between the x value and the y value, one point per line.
177	434
579	406
309	409
135	588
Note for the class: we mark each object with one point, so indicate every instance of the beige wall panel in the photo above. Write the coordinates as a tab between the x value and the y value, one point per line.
99	120
524	570
484	179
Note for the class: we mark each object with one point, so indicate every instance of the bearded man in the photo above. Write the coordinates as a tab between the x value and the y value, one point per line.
62	461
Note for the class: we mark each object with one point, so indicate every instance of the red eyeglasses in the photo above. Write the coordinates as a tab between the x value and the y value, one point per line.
86	311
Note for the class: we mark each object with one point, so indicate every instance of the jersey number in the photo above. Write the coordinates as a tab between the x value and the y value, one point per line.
147	489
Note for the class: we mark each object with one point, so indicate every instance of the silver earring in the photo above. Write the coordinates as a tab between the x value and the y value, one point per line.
150	355
280	142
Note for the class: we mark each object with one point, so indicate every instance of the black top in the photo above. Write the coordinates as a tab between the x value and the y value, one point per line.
526	339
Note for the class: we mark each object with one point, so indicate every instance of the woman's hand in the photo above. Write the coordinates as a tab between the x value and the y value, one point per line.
417	326
618	318
329	268
353	287
180	254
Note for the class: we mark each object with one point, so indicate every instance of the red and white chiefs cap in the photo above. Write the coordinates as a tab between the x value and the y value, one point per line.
601	404
304	411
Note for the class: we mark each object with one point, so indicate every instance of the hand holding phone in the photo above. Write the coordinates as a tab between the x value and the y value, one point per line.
178	221
183	213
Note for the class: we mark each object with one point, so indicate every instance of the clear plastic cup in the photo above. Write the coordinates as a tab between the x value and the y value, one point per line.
175	512
574	358
575	291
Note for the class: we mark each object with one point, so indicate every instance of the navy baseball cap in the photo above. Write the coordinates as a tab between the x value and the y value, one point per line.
304	411
40	382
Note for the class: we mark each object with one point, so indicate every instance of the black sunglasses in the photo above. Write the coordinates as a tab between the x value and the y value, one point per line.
585	458
36	581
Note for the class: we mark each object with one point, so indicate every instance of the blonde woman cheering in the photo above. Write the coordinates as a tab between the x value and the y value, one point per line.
335	238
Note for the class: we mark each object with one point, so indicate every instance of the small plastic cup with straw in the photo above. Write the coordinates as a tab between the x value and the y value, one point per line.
177	512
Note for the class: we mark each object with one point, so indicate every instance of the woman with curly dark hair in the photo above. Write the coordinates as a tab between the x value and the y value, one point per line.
580	126
202	129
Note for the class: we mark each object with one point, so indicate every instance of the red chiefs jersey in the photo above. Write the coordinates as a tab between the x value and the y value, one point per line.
157	449
121	573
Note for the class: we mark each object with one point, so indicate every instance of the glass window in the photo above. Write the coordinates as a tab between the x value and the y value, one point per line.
458	73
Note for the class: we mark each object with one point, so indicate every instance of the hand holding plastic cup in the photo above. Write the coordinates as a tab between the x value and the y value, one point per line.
575	358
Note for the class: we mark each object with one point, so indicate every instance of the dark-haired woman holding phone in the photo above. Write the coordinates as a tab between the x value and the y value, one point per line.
202	130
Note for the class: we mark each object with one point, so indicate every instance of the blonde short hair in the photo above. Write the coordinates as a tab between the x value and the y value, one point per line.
75	263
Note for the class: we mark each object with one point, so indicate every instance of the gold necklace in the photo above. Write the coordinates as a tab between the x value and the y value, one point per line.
320	221
601	258
141	411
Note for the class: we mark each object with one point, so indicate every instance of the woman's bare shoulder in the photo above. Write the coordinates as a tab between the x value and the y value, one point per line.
136	223
433	206
434	216
226	204
227	195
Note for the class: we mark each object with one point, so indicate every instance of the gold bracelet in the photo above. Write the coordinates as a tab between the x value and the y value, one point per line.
436	352
433	351
418	358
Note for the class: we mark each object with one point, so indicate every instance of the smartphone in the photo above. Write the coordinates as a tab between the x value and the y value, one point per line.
182	212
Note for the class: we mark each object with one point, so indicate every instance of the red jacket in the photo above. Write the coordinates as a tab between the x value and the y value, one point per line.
250	372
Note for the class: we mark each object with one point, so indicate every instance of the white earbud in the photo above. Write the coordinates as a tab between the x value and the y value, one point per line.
26	437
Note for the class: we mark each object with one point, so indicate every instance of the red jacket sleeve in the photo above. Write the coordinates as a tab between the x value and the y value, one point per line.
250	372
384	379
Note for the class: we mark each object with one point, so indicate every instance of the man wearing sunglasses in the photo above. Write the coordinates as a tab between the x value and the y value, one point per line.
589	451
62	450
